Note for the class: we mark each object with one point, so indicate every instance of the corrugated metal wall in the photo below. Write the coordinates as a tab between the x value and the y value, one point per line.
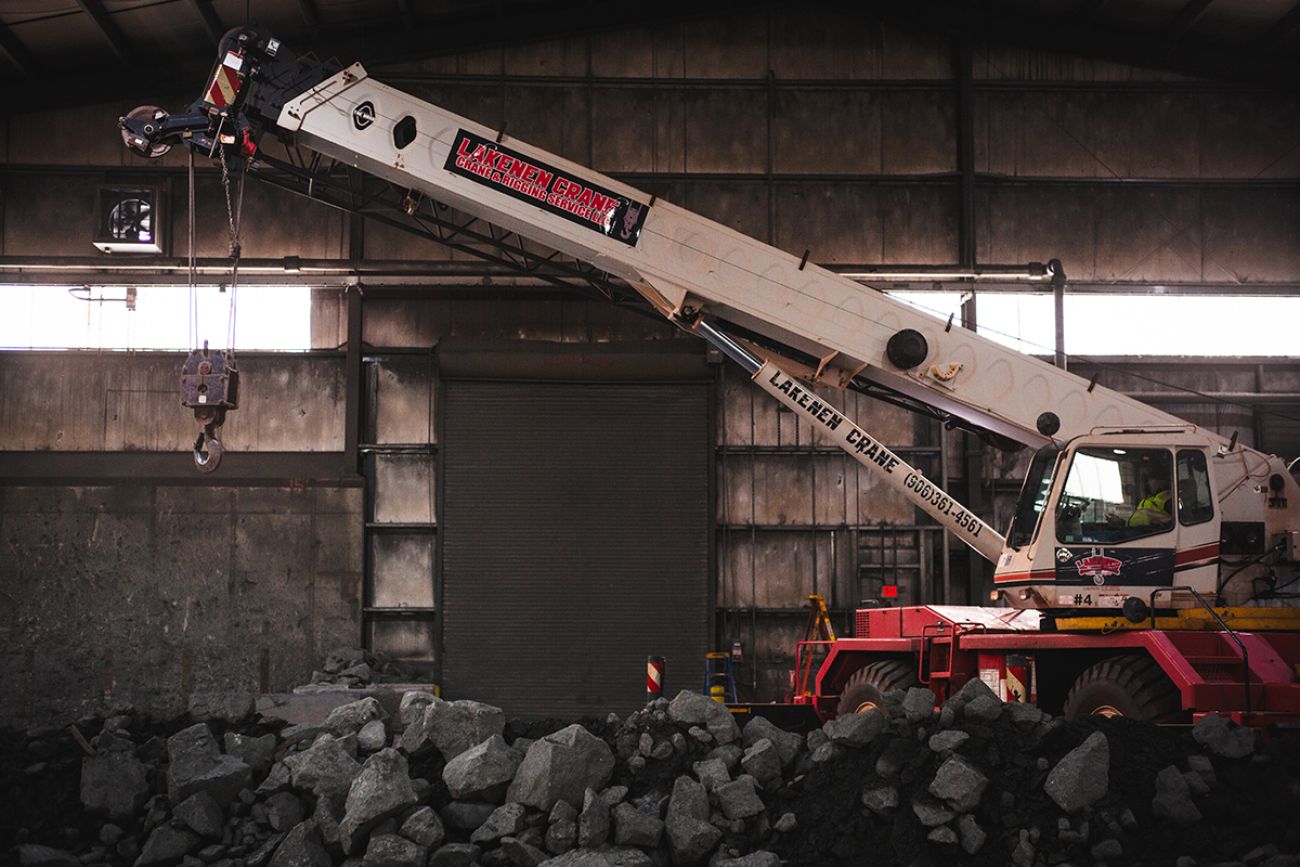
575	528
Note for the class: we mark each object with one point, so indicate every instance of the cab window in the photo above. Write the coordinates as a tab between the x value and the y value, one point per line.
1195	502
1114	495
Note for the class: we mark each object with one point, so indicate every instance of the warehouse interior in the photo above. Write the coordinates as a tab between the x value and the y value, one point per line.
496	468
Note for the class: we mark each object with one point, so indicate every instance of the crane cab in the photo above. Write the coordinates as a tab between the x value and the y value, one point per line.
1111	516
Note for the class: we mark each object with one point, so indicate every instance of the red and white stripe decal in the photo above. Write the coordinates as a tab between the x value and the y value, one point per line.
1201	552
1036	575
225	84
654	681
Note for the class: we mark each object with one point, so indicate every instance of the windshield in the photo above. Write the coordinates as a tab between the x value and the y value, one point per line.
1033	496
1114	495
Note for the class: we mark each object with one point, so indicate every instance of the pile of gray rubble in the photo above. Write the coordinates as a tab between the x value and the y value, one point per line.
678	783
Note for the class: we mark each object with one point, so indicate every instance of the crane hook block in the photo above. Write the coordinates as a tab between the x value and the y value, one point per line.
210	387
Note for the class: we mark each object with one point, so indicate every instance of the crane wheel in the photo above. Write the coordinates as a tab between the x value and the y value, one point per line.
865	690
1131	685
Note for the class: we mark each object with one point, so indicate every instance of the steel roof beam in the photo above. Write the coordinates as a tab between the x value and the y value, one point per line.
211	21
12	47
109	29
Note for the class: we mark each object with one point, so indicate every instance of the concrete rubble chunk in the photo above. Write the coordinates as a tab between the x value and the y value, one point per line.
1082	777
634	827
505	821
692	709
35	855
787	823
856	729
424	828
1223	737
559	767
947	740
982	708
373	736
943	836
483	772
1173	799
301	847
196	764
690	840
381	789
972	835
326	769
593	821
115	784
788	744
255	751
689	798
1023	714
959	784
603	856
754	859
880	800
738	799
762	762
521	853
712	773
222	706
466	815
326	819
390	850
167	845
411	707
932	813
201	814
350	718
451	727
561	835
341	658
918	704
1108	850
455	855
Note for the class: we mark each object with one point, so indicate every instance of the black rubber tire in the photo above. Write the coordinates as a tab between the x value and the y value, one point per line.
1131	685
869	684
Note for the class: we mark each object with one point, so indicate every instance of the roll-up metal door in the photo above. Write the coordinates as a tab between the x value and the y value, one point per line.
575	524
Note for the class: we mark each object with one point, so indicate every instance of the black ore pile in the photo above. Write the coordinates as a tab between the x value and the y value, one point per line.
677	784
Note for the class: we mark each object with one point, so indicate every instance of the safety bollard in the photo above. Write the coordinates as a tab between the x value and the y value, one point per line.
654	680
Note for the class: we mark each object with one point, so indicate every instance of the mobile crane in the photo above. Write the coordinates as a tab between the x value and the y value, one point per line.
1142	571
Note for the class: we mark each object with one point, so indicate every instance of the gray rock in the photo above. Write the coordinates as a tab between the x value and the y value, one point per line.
455	855
603	856
195	764
1022	714
972	835
342	658
256	752
227	707
326	770
633	827
738	799
505	821
593	821
918	704
167	845
688	799
1202	767
754	859
943	836
762	762
959	783
277	779
424	828
373	736
982	708
788	744
932	813
453	727
521	853
109	834
202	814
1082	777
327	823
350	718
34	855
412	706
301	847
692	709
690	839
729	754
115	784
856	729
283	811
880	800
390	850
482	772
561	835
559	767
381	789
1108	850
1173	800
787	823
262	854
1224	738
815	739
466	815
712	773
947	740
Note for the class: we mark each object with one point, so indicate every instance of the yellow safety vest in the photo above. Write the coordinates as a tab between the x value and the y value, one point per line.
1150	509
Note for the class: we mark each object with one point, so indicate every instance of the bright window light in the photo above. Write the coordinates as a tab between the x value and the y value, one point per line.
1097	325
97	317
